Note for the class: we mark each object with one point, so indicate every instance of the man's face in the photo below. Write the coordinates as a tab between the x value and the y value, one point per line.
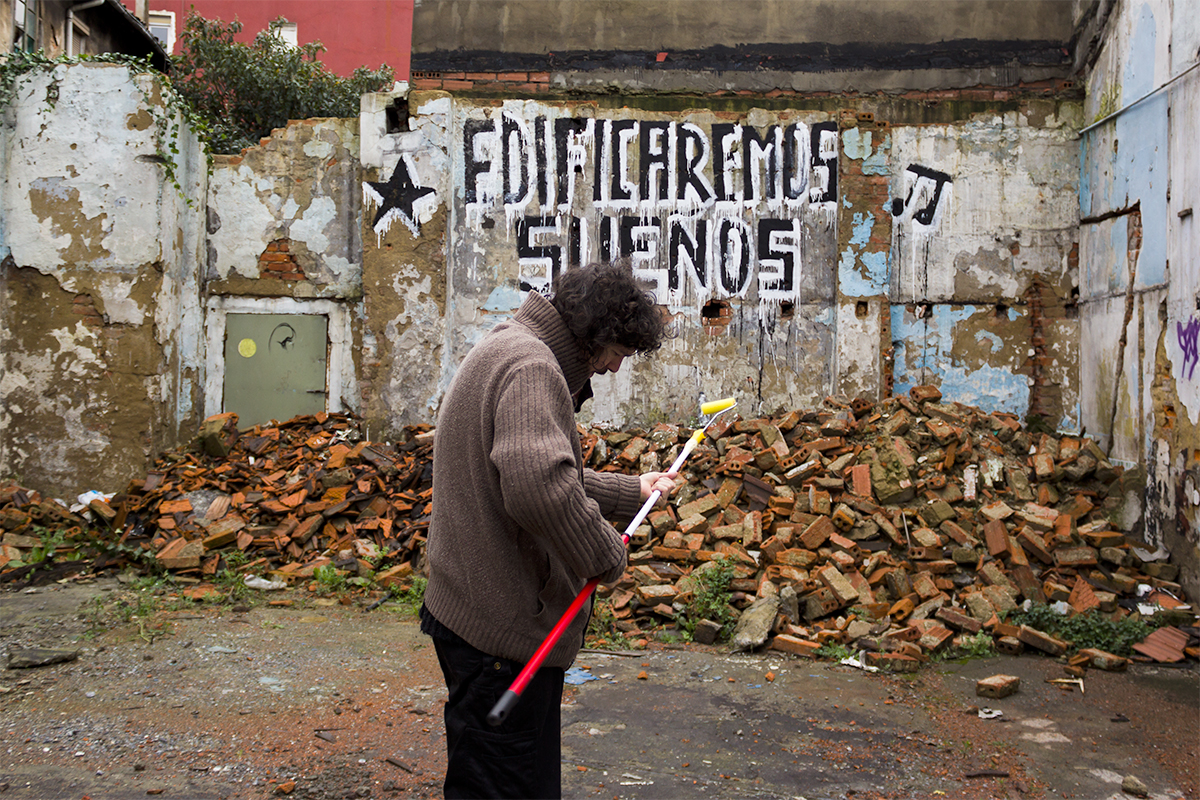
609	359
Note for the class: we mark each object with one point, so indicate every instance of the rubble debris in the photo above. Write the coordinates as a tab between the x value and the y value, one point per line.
900	529
998	686
1130	784
1068	682
291	497
30	657
1165	645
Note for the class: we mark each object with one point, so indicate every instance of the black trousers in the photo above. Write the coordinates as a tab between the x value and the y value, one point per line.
520	757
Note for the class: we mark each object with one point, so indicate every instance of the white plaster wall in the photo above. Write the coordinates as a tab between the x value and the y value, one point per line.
765	356
979	209
1009	181
87	202
247	221
1183	237
1132	156
73	150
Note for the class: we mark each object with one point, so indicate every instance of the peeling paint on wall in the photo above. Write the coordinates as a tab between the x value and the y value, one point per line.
302	185
962	349
97	243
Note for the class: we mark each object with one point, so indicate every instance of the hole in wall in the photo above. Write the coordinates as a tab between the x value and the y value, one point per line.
861	308
1001	310
715	314
1071	307
786	310
397	116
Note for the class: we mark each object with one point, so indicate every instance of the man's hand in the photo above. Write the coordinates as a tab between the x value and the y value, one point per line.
662	482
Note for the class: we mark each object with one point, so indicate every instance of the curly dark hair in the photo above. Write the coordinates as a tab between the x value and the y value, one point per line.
603	305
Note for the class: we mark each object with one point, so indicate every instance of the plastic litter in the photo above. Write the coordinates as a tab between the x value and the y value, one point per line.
854	662
82	501
575	676
255	582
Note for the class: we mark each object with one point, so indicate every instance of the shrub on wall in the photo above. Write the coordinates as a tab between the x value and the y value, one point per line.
246	91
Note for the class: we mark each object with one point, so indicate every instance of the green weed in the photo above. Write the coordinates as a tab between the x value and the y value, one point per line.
409	598
833	651
138	606
710	597
330	580
1091	629
602	627
230	580
980	645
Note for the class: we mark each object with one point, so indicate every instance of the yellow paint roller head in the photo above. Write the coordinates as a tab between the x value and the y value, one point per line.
717	406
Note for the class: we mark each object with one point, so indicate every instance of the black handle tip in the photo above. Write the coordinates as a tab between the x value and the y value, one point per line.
505	704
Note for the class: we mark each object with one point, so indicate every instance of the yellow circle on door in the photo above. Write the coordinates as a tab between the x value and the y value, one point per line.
247	348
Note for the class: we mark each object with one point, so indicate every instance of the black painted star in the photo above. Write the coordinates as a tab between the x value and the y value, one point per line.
396	198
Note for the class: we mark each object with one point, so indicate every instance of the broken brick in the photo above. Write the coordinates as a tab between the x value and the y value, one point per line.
998	686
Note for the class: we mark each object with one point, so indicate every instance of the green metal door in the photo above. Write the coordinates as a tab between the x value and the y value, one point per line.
274	366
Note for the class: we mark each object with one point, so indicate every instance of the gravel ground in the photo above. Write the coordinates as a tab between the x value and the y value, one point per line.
316	698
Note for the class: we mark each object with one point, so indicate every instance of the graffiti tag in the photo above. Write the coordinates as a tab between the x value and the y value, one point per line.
1188	335
719	209
924	198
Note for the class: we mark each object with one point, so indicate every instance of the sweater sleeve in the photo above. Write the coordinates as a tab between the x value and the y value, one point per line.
541	480
619	495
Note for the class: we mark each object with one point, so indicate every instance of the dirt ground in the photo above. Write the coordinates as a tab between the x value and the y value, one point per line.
312	698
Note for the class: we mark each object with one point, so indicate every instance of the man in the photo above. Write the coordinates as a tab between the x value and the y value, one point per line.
519	526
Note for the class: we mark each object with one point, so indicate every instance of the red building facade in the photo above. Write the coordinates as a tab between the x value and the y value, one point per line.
355	33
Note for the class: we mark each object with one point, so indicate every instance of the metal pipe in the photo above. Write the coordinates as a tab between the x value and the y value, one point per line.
71	20
1146	96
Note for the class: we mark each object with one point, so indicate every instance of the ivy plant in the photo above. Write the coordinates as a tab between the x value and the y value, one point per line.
170	111
1091	629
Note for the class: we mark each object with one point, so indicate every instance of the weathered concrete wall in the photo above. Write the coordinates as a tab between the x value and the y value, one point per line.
640	46
972	249
805	243
1140	263
283	238
798	244
99	324
404	260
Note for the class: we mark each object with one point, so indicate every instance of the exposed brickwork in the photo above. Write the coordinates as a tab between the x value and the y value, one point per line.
1037	340
525	82
715	317
84	306
277	262
870	192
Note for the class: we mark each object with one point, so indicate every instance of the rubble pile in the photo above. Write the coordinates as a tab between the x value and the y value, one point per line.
894	529
291	496
897	529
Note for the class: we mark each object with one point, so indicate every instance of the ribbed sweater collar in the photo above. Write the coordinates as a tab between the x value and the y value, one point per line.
537	314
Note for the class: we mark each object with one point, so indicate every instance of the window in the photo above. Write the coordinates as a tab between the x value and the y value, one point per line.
79	38
25	25
162	27
288	33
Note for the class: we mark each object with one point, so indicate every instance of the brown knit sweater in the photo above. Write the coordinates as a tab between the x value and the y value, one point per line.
518	525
